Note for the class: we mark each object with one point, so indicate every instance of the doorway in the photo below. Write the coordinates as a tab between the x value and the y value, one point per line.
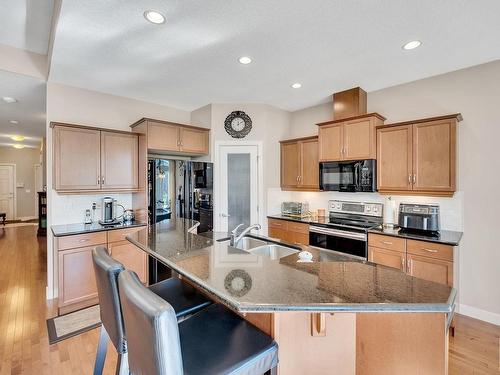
8	190
238	184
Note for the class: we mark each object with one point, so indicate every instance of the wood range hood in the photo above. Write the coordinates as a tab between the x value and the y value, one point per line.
349	103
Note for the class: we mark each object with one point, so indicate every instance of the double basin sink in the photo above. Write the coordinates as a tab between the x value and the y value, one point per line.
261	247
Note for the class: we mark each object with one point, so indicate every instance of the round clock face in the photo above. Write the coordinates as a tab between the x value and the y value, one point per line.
238	124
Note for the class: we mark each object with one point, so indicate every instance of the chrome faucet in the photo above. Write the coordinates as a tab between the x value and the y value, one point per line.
235	238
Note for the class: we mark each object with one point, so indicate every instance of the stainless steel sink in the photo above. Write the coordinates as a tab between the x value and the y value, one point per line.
248	243
273	251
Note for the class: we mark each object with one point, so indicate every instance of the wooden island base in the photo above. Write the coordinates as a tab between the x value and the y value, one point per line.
358	343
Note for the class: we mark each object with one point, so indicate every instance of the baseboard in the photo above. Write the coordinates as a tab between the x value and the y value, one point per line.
476	313
26	218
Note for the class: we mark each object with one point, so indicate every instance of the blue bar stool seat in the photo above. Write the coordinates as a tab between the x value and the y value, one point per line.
213	341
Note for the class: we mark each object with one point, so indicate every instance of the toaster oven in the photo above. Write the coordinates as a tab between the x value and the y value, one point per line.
296	209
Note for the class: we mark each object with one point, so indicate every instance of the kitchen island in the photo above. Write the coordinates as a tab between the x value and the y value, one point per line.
334	314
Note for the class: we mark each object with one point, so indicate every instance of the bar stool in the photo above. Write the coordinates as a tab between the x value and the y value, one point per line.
213	341
184	299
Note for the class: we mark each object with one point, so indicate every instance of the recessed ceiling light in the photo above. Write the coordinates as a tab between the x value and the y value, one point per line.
17	138
14	122
18	146
297	85
154	17
412	45
8	99
245	60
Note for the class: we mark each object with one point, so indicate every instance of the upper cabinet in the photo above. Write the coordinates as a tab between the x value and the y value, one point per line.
349	139
418	157
172	138
300	164
91	159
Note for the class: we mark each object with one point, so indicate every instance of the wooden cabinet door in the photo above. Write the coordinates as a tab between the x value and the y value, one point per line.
290	165
76	276
131	257
77	158
394	158
163	137
330	140
359	139
193	141
434	147
309	164
389	258
119	160
437	270
280	234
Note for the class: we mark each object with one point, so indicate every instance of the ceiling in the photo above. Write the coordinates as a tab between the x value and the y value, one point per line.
26	24
327	45
29	110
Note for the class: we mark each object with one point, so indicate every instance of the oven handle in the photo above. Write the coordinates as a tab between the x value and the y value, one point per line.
338	233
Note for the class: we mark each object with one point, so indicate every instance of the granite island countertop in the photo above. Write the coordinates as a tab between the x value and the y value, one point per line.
249	282
81	228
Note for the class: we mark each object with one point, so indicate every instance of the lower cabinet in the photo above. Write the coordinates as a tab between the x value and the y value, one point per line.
289	231
389	258
76	279
422	259
131	257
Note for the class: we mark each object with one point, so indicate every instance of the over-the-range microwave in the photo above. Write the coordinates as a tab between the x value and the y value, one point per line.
349	176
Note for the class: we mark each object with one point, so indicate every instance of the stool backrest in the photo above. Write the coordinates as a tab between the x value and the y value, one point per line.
152	329
106	271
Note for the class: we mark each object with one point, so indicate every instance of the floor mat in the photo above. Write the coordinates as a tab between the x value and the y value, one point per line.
72	324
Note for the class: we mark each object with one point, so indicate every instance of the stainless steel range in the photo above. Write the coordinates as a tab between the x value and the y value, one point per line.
346	231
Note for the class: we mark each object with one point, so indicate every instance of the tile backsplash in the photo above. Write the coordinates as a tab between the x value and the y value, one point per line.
68	209
451	209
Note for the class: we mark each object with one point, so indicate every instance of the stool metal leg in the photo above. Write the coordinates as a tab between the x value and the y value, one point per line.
102	348
122	364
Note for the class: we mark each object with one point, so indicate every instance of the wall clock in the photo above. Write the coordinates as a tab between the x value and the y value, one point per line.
238	124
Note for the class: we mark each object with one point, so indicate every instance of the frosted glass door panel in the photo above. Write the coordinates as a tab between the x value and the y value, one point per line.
238	190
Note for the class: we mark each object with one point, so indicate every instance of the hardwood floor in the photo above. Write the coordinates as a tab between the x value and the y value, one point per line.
24	347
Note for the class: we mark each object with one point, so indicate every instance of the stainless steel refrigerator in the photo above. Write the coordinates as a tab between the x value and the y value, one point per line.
183	189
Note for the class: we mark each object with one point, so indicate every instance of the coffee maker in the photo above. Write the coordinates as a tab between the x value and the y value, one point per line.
108	208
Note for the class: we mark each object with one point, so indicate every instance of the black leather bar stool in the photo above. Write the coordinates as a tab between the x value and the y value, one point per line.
213	341
184	299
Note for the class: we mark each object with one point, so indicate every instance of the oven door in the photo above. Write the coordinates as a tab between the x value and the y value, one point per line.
350	242
338	176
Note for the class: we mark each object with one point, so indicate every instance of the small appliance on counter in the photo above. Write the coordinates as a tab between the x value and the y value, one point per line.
108	212
419	217
295	209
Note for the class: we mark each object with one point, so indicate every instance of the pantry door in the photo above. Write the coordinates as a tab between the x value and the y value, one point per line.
237	185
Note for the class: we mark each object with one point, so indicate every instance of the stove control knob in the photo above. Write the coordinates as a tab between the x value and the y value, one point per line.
368	208
375	209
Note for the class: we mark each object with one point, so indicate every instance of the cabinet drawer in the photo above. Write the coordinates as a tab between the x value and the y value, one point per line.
298	227
278	224
389	258
387	242
430	249
120	234
81	240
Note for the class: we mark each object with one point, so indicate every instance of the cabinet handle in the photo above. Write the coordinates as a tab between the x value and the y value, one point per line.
84	240
409	266
403	263
409	179
98	180
103	180
386	242
414	179
430	250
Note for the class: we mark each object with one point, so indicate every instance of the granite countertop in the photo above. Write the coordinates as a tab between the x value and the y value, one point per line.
81	228
447	237
249	282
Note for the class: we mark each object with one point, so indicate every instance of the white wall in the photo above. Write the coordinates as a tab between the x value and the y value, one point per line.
84	107
474	92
